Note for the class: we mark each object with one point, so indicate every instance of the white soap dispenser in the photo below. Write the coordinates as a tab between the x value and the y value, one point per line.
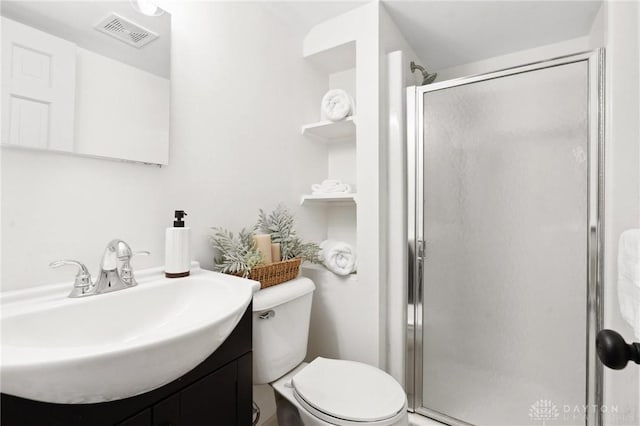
177	251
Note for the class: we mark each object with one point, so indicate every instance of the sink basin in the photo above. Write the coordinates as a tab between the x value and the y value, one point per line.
115	345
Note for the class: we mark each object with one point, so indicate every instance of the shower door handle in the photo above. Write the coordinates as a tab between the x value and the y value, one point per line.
421	248
614	352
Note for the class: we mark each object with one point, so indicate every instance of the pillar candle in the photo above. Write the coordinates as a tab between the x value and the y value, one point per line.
275	252
262	243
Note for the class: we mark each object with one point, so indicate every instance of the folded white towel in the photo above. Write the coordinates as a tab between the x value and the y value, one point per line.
338	257
336	105
330	186
629	278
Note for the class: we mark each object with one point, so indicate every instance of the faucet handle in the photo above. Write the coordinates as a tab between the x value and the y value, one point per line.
126	272
82	284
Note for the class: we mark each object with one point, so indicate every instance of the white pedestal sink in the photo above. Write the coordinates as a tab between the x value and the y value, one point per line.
115	345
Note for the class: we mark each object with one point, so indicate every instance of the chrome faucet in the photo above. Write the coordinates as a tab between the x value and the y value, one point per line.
115	271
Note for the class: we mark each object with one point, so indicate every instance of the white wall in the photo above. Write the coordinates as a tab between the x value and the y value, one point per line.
341	163
396	55
568	47
349	317
345	318
622	188
598	32
237	107
116	104
371	274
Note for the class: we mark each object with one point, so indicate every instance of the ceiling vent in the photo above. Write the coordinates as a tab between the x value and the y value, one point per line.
124	30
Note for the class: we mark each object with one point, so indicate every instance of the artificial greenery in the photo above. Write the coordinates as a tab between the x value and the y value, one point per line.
280	225
238	254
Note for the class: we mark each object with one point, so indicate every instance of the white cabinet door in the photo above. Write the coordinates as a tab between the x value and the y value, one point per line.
38	88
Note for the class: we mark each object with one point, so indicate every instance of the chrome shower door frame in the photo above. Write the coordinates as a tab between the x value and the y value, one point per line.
415	187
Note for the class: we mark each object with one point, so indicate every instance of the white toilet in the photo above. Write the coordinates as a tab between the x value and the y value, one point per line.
324	391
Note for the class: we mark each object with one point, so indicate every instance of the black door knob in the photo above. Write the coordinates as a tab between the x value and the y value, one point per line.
614	352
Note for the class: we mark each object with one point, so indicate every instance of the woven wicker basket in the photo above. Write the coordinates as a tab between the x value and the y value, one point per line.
275	273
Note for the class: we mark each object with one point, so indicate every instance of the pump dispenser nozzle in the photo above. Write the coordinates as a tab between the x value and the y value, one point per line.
179	214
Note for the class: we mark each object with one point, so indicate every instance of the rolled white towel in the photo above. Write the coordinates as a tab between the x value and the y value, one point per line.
338	257
331	186
336	105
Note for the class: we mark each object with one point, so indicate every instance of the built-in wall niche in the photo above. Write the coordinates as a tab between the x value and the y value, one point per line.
340	138
86	78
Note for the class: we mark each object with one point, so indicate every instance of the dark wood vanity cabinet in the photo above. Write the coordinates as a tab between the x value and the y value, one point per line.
217	392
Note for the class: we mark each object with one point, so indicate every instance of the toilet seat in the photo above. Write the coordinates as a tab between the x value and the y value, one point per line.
349	393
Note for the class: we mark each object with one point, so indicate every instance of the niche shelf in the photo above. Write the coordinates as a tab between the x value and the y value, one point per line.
330	131
344	199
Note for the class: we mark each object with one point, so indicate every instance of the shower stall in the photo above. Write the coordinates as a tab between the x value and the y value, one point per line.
505	205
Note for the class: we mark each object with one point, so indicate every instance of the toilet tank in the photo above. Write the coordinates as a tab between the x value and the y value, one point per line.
280	328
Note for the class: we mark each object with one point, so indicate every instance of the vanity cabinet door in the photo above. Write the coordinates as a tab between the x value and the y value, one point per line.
140	419
167	412
211	400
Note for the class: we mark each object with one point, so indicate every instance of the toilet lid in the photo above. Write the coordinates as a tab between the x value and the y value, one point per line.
349	390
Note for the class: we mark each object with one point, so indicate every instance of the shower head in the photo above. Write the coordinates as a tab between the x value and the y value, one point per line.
427	78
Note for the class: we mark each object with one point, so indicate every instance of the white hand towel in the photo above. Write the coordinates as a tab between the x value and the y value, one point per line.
336	105
330	186
629	278
338	257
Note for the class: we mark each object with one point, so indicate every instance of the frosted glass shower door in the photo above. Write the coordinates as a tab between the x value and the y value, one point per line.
505	219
